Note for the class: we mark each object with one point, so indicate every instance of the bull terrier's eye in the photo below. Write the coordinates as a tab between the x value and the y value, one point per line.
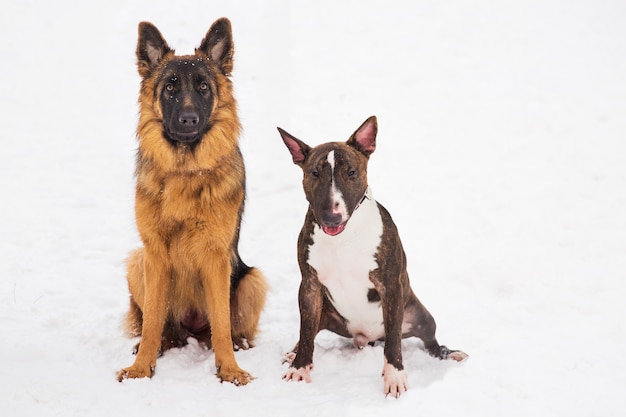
351	173
315	173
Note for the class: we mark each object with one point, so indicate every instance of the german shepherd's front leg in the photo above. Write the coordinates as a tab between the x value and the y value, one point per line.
156	279
216	282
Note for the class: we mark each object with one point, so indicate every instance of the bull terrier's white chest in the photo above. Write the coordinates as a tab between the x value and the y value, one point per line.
343	264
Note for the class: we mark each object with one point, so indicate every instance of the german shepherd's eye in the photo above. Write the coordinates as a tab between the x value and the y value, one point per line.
169	87
204	86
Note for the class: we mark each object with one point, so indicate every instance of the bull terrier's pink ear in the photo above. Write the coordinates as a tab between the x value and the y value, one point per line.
364	139
298	149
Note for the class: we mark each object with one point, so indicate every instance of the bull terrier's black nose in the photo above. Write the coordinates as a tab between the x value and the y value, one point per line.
331	219
188	118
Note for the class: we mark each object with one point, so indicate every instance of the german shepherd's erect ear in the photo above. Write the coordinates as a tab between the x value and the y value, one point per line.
218	45
151	48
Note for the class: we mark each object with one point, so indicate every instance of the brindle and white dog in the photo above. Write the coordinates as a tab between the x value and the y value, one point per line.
354	277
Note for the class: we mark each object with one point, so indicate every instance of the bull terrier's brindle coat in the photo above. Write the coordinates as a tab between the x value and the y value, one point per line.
354	277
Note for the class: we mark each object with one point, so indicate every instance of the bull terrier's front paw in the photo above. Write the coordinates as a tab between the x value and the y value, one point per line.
298	374
395	380
289	357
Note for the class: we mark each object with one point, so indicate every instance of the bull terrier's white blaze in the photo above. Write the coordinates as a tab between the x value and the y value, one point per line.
336	196
331	161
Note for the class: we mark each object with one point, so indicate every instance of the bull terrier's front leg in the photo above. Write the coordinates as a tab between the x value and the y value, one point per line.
394	376
310	302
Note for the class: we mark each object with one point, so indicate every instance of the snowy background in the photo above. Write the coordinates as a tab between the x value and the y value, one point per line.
501	155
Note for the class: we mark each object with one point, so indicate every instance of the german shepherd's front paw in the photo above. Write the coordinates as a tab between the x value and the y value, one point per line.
234	375
135	372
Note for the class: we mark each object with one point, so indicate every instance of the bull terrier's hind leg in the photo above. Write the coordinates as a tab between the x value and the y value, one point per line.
422	325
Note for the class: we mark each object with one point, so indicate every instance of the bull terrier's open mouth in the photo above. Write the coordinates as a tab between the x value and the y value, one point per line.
333	230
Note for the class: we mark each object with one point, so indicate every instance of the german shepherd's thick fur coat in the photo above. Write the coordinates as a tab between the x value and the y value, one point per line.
188	279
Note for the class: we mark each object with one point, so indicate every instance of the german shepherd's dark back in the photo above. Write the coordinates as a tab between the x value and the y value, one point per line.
188	278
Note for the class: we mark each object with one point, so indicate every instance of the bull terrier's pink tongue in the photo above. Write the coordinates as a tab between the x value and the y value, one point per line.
333	230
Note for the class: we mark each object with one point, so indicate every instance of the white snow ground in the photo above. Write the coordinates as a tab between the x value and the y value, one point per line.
501	155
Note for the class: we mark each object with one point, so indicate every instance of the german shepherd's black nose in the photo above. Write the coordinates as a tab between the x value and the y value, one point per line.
188	118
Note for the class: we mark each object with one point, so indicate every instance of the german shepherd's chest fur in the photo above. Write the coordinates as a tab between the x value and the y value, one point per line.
192	198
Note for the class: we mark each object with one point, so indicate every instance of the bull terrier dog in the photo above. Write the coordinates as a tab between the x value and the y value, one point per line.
354	277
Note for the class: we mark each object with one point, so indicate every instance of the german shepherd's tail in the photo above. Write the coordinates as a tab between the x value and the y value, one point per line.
247	299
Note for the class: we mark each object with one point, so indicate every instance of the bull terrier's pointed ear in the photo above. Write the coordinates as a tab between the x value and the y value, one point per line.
298	149
364	139
151	48
218	45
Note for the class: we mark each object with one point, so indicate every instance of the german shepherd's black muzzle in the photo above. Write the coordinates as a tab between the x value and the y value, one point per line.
186	125
186	102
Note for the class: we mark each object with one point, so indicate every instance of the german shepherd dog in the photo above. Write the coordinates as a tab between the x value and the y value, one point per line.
188	279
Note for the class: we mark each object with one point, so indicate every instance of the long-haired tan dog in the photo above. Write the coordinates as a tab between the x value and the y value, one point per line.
188	279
